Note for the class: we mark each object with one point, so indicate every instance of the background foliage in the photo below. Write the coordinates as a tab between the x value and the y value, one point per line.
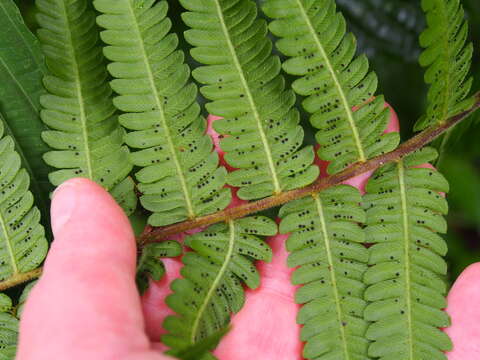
387	31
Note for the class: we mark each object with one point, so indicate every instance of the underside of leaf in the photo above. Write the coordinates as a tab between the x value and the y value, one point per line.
260	129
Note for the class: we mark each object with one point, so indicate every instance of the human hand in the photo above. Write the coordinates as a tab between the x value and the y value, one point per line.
86	303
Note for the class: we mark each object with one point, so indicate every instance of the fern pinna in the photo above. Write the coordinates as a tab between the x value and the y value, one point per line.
179	177
21	70
23	244
326	248
85	134
406	286
338	87
261	134
211	289
447	56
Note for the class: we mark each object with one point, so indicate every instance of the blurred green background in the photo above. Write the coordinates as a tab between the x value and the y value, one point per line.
387	31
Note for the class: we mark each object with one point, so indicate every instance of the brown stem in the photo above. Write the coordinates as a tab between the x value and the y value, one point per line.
415	143
21	278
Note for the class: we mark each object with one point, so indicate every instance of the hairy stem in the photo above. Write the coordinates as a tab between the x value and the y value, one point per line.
20	278
417	142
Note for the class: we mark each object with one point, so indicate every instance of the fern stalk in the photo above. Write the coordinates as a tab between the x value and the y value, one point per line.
408	147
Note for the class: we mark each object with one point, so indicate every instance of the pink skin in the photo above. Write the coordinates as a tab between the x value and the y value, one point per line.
86	306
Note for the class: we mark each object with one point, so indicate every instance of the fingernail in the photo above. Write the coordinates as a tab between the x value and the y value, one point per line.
64	201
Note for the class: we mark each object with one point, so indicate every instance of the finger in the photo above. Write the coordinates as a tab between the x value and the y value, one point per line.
464	311
86	300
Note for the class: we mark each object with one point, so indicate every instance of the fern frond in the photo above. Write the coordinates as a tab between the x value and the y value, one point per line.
21	70
325	246
406	285
8	329
338	87
22	238
85	132
211	287
260	130
150	264
448	58
179	175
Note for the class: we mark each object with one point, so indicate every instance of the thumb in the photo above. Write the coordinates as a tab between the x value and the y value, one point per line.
463	308
86	300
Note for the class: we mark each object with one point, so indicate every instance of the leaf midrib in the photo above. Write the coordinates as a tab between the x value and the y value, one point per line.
256	115
331	70
406	233
78	85
333	279
168	136
216	281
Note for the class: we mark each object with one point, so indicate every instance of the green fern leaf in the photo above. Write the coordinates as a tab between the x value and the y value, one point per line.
406	285
334	83
22	238
325	246
8	329
211	287
448	58
179	175
21	71
85	132
149	264
261	132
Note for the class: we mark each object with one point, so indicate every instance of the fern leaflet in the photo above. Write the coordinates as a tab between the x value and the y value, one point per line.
405	282
211	289
338	87
179	175
448	58
79	110
21	71
23	245
260	130
325	246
